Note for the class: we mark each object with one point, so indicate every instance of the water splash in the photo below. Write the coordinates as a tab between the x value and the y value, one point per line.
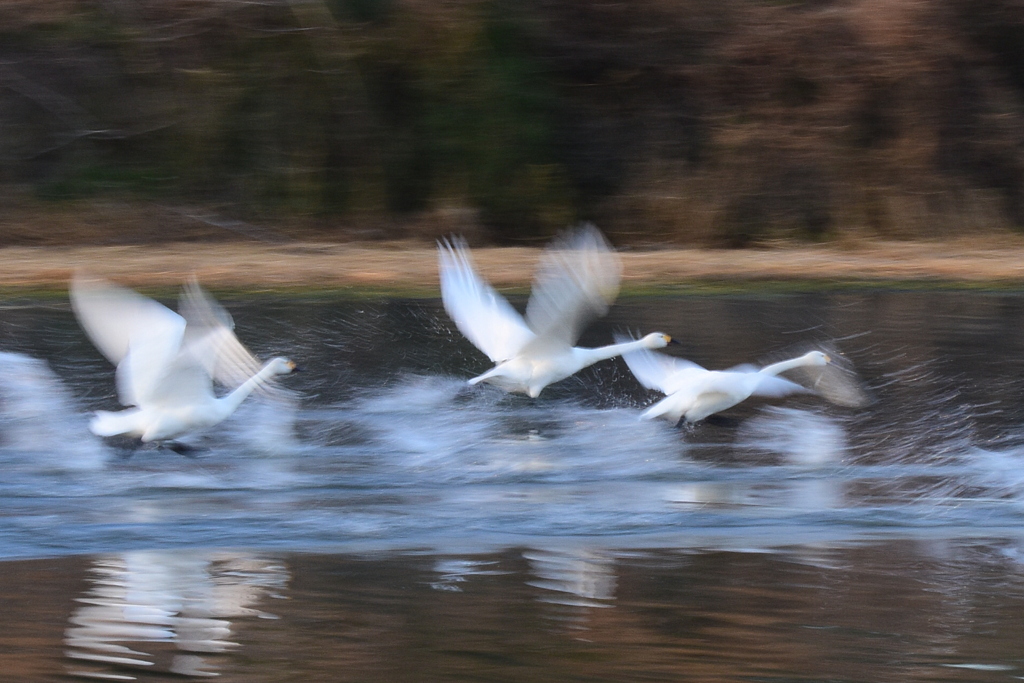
42	427
802	437
395	451
439	428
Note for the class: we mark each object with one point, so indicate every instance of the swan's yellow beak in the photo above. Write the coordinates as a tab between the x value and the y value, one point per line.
293	367
670	340
828	358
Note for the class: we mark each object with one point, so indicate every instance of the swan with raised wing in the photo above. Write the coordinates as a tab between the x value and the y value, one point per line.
166	361
576	281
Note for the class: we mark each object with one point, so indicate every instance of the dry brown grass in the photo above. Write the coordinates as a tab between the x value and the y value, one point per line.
412	265
881	119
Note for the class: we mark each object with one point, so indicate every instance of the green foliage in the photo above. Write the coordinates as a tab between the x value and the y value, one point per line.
365	109
516	183
103	179
361	10
466	118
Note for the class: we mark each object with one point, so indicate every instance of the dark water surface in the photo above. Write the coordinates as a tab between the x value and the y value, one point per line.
389	524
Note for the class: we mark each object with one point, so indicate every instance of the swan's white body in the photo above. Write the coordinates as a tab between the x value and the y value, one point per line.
693	393
166	362
577	279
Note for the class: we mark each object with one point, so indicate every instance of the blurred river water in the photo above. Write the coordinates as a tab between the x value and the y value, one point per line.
387	522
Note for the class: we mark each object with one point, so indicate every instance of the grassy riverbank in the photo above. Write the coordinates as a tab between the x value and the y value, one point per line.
412	267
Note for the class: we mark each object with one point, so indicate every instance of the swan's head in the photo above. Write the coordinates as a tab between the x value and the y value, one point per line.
657	340
282	366
816	358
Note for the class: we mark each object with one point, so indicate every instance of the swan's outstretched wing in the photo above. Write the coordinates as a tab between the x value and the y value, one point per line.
768	386
743	367
577	280
210	342
141	336
480	313
659	371
113	316
210	337
771	386
834	382
738	378
184	382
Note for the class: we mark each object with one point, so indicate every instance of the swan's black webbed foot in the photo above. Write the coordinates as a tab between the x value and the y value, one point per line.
181	448
684	426
125	448
125	454
465	393
722	421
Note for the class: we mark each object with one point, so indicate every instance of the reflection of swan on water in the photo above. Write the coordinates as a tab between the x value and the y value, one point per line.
576	281
452	572
38	415
574	577
177	600
693	393
166	362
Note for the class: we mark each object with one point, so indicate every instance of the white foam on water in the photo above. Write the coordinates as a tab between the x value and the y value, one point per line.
40	423
802	437
440	428
263	426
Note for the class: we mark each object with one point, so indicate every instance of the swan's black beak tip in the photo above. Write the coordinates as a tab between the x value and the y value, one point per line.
674	342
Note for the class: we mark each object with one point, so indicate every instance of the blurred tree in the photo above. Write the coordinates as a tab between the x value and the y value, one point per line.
723	123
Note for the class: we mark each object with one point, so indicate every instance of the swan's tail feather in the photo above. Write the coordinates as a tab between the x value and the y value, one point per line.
662	408
106	423
488	376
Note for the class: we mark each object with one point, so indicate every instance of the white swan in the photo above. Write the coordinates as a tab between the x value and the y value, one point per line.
693	392
166	362
576	281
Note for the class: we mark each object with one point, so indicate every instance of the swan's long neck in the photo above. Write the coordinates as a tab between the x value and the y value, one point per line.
231	401
610	351
782	366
